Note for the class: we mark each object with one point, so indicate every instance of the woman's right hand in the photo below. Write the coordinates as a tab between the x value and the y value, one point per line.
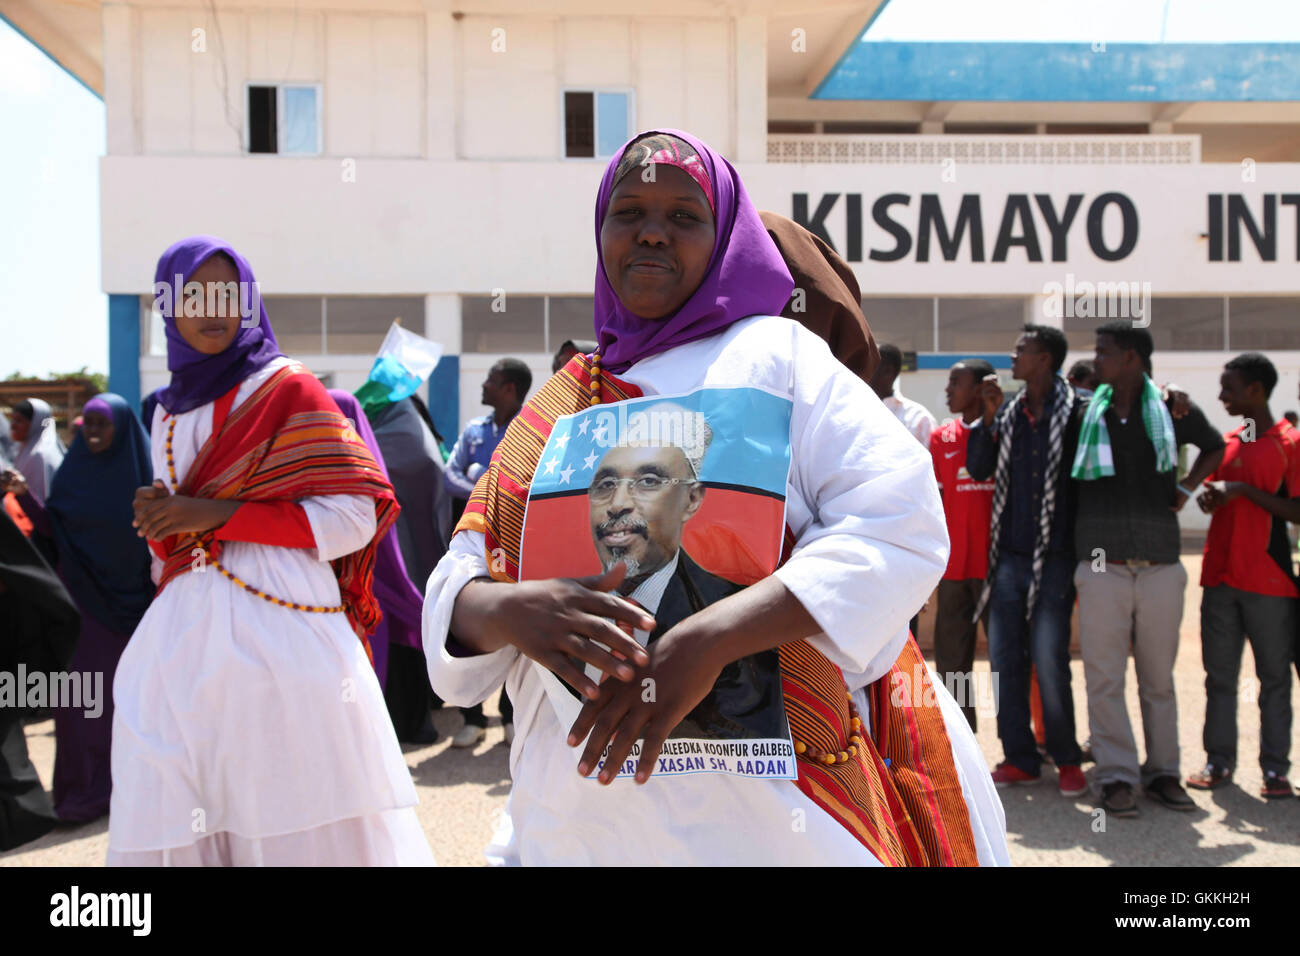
557	622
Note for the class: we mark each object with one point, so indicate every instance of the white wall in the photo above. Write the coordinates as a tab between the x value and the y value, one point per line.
175	92
412	226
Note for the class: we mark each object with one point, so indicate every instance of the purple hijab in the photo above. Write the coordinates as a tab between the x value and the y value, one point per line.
746	274
399	599
198	379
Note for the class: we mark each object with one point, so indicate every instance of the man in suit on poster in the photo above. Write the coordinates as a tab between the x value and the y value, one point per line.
641	497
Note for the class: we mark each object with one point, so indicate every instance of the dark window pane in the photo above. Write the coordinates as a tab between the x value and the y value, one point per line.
295	319
579	125
980	324
518	326
803	127
261	119
907	323
571	318
859	128
1177	324
1261	323
357	324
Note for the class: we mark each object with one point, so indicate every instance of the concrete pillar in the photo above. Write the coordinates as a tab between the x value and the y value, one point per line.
440	56
751	89
120	101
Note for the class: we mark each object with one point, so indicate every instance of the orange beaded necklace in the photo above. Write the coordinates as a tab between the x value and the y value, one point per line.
198	544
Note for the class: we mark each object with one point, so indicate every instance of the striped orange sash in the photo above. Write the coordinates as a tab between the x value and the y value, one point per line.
286	442
900	797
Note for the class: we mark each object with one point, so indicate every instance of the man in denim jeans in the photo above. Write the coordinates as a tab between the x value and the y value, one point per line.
1027	444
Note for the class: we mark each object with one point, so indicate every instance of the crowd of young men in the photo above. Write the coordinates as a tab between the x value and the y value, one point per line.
1071	489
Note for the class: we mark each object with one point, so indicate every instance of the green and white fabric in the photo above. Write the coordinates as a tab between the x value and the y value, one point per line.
1094	460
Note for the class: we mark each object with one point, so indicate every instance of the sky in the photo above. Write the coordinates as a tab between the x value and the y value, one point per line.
53	318
1067	21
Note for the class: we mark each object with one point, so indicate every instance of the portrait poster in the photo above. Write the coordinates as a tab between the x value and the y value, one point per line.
689	492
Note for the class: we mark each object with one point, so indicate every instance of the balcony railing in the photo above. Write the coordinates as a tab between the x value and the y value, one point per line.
1124	150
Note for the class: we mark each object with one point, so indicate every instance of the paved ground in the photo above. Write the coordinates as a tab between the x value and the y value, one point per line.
462	792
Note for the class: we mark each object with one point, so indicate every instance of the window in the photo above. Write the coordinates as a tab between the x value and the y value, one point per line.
357	324
1177	324
596	123
569	317
296	322
1263	323
284	119
516	324
524	323
313	324
980	324
907	323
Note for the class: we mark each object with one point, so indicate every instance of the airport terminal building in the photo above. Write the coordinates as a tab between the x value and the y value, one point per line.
427	159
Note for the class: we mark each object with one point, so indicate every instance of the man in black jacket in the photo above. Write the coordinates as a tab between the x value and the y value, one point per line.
1027	444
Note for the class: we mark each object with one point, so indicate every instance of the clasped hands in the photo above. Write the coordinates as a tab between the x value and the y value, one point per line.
641	694
159	513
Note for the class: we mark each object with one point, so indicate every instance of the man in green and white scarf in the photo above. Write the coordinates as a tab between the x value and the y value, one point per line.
1129	577
1094	458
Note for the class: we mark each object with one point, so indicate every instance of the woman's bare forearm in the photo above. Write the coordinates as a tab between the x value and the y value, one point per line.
763	616
472	615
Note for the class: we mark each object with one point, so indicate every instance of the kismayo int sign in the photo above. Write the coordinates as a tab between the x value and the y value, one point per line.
1013	230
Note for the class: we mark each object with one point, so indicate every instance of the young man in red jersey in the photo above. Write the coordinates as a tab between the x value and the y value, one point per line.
1250	584
968	508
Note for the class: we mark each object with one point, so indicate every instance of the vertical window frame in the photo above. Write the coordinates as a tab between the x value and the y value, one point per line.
595	91
279	86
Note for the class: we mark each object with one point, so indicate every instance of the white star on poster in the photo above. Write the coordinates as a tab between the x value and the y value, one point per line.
561	442
582	427
550	465
598	434
590	462
565	475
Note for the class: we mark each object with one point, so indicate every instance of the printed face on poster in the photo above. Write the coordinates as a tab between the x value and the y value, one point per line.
688	492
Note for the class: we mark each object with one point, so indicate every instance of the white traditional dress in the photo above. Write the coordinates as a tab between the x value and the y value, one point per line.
872	545
246	733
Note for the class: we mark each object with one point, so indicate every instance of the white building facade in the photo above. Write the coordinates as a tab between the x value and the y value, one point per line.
438	162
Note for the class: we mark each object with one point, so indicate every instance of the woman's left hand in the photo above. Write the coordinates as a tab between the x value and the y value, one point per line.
649	706
159	518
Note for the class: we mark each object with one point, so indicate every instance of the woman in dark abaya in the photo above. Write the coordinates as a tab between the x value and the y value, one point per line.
411	454
38	630
399	599
105	566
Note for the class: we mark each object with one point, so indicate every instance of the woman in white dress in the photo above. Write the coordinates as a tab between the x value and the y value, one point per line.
250	728
688	287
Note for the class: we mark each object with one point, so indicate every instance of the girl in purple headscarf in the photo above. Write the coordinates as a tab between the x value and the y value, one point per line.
249	727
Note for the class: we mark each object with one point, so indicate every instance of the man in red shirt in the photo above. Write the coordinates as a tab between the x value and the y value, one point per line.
968	506
1250	585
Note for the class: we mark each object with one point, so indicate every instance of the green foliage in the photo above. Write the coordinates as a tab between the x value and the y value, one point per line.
98	379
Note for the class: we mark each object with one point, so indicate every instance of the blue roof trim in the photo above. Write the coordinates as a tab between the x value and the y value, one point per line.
1065	72
945	360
